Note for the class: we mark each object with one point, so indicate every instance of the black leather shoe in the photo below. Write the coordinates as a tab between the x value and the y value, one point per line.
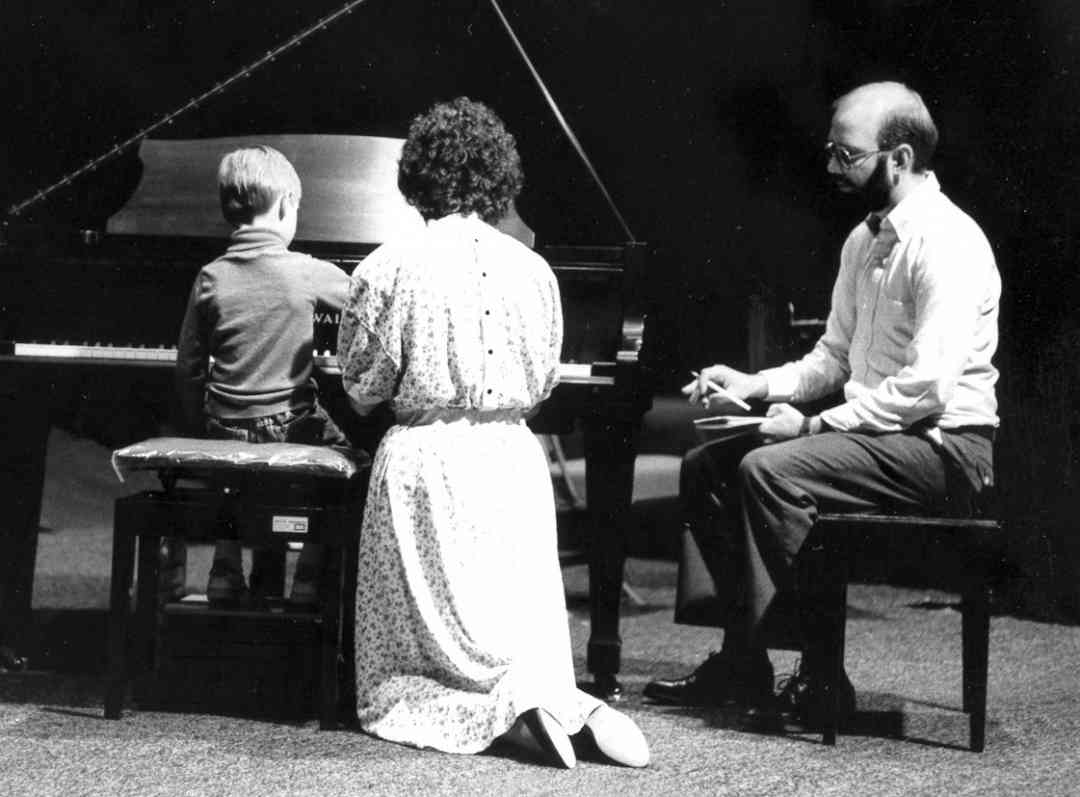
721	679
802	697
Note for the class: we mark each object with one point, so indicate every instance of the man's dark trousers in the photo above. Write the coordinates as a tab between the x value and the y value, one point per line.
751	507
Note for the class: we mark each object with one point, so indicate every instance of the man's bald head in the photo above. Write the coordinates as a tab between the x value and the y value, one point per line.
897	113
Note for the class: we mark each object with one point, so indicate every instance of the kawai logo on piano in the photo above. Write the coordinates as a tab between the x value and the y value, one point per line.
326	329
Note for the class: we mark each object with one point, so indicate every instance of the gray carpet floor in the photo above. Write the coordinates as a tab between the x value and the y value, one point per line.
907	738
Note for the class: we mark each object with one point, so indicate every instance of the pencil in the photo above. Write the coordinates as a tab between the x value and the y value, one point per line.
738	402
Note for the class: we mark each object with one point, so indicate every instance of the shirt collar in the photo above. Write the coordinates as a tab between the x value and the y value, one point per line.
248	238
907	212
456	221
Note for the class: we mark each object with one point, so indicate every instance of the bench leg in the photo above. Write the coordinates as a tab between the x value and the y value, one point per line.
147	603
833	643
347	692
967	654
123	566
976	654
826	567
331	595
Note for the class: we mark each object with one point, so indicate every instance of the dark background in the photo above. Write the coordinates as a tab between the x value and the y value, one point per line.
705	121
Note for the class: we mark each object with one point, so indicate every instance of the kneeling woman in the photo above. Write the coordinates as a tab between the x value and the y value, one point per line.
461	628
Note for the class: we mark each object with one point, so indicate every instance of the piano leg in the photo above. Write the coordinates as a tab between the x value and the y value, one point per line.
24	425
610	448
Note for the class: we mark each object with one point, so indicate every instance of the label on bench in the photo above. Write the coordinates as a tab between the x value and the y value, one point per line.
290	524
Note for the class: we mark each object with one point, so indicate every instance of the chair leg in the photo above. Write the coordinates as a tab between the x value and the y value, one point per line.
976	655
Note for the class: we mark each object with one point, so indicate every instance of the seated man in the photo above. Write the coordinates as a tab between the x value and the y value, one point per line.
910	337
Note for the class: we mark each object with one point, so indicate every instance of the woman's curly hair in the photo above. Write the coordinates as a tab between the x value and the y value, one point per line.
459	158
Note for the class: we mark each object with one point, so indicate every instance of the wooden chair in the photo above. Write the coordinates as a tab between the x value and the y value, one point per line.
979	539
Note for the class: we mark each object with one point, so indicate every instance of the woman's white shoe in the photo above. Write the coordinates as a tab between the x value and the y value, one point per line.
617	737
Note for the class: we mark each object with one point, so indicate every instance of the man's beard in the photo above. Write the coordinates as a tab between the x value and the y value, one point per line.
872	195
876	191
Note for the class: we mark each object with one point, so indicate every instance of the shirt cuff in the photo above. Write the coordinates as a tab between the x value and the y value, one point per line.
841	418
782	383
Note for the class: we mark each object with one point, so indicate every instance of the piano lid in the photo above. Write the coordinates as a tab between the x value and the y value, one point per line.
350	192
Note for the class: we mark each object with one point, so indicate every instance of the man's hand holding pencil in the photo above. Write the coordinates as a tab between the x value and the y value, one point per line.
718	388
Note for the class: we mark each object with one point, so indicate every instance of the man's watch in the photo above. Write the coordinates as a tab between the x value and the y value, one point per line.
812	425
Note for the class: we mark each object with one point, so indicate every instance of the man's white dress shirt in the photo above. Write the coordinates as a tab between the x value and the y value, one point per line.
913	324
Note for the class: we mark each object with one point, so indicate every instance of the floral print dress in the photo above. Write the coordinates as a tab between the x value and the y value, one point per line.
460	612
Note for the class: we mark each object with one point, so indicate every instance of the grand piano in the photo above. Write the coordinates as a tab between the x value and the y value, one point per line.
68	314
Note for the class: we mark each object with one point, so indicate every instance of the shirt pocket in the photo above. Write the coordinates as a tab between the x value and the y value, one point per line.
894	326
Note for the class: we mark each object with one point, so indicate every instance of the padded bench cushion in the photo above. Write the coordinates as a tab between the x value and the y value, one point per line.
196	454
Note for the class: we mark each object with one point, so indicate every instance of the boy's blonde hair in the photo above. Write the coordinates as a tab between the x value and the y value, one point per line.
251	179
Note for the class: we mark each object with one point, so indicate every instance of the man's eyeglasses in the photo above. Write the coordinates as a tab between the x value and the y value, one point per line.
845	158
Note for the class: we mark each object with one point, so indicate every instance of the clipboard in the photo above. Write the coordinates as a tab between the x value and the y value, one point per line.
722	427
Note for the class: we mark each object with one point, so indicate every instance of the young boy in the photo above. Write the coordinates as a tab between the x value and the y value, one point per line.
244	360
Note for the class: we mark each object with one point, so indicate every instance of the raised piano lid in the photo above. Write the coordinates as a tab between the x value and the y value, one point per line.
350	192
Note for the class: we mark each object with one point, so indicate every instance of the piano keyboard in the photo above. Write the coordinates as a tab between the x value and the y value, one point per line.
92	352
571	373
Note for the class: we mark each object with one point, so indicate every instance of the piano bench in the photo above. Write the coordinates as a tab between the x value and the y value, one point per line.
260	658
979	540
